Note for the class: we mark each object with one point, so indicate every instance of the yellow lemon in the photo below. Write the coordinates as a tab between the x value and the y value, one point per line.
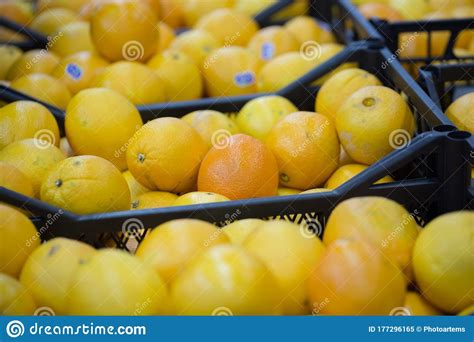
196	44
65	147
86	185
136	189
348	171
181	78
259	115
287	191
238	231
306	29
272	41
17	236
461	112
51	20
167	36
72	38
416	305
26	119
33	157
15	180
193	10
154	199
16	300
49	271
9	54
199	197
315	191
102	122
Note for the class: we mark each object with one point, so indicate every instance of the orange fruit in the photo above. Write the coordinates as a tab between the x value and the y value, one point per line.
230	71
228	26
73	37
27	119
199	197
44	88
154	199
86	185
179	75
167	36
33	61
170	247
290	255
367	137
272	41
125	30
381	11
171	12
307	29
32	157
461	112
416	305
348	171
50	21
103	286
76	71
49	271
242	168
443	263
382	222
15	180
136	189
9	54
287	191
225	280
165	155
102	122
17	234
339	87
353	278
306	148
196	44
16	300
238	231
193	10
135	81
214	127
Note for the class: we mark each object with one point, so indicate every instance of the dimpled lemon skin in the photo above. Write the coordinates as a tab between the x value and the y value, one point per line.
49	271
199	197
86	185
105	285
15	300
17	241
15	180
166	154
443	263
461	112
101	122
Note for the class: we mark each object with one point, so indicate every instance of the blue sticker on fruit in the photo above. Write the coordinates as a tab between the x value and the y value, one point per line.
74	71
244	79
268	51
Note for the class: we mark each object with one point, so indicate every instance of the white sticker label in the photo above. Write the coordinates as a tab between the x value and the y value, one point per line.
268	51
244	79
74	71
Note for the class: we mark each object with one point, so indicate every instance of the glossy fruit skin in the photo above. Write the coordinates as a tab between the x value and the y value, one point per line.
27	119
228	26
238	231
348	171
306	147
32	157
138	83
211	125
442	261
15	180
306	28
50	269
179	75
225	280
74	37
196	44
290	255
353	278
272	41
154	199
287	191
104	287
160	165
134	36
170	247
418	306
198	197
75	179
16	300
461	112
382	222
230	71
370	121
102	122
33	61
17	235
43	87
136	188
49	22
259	115
76	71
339	87
242	168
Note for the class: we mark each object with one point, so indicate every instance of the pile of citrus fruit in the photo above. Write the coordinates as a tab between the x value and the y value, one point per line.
105	57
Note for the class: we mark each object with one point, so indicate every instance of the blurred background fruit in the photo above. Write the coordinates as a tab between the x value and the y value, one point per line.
16	300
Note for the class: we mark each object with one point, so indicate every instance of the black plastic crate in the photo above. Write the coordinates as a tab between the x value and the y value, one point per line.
432	171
